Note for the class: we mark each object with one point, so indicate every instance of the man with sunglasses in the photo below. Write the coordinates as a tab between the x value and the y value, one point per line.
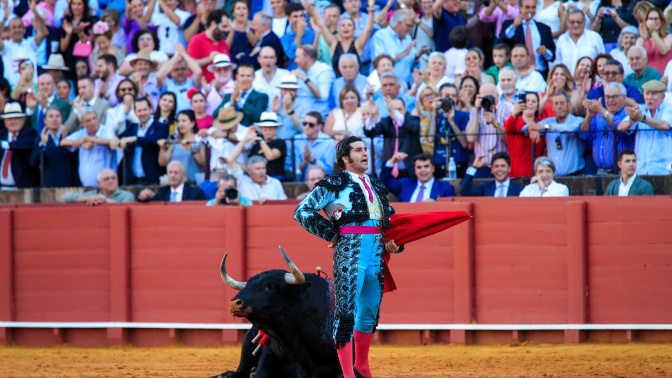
564	146
612	72
313	147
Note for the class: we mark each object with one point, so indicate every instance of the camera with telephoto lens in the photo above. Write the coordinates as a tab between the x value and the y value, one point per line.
446	104
487	102
231	194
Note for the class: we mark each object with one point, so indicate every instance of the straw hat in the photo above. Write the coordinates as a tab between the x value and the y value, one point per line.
13	110
227	119
146	56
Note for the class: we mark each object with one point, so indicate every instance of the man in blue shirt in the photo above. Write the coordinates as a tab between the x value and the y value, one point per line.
313	147
446	17
651	122
297	35
600	125
396	42
349	68
612	72
392	89
564	146
315	80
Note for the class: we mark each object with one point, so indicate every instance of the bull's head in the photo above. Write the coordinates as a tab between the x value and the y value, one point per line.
293	278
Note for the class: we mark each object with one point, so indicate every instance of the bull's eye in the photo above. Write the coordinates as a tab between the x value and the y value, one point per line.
268	287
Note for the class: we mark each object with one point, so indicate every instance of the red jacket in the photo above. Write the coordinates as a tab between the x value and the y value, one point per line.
520	147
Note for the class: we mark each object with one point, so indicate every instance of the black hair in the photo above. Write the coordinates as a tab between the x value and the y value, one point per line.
171	116
216	17
459	37
343	149
109	59
143	99
4	87
292	7
192	117
423	157
120	99
501	155
625	151
503	46
476	83
140	33
317	116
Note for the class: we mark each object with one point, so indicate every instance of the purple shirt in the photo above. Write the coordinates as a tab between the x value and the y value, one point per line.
130	28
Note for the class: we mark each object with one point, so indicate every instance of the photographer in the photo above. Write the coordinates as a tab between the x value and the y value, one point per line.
227	193
521	138
454	122
486	126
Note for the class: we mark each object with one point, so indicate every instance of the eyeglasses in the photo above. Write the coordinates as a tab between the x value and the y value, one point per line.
309	124
610	73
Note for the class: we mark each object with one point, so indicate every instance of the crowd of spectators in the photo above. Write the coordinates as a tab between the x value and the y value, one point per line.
239	97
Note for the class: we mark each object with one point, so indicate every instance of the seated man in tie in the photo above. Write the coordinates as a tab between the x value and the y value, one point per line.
501	187
423	189
176	190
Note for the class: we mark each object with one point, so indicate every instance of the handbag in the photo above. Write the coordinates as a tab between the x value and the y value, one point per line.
83	49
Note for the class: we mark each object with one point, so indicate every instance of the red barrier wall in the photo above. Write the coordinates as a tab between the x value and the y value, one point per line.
518	261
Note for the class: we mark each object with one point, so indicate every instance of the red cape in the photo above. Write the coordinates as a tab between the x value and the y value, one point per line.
405	228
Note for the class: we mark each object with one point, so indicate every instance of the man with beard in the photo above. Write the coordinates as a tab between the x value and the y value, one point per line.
205	45
507	86
107	79
359	213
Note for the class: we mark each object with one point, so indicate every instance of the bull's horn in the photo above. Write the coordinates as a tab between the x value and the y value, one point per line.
295	277
230	281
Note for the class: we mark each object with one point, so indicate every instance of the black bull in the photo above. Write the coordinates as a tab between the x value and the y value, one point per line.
297	311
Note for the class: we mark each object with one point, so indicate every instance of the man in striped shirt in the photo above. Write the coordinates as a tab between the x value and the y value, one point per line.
486	128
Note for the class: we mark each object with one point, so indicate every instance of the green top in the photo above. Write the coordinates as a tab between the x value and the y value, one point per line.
648	75
119	196
494	71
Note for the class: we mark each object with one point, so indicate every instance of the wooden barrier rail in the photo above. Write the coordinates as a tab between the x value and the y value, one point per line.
545	270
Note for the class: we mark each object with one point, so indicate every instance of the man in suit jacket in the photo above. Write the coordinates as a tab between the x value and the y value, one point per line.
629	184
543	45
501	187
176	190
244	98
37	103
59	166
143	135
424	188
404	137
16	144
86	88
262	24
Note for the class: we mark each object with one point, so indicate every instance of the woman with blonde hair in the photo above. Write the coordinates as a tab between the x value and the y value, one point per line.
559	79
425	109
432	75
655	38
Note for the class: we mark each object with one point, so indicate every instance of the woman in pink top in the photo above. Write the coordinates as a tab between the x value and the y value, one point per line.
498	12
654	37
48	7
199	105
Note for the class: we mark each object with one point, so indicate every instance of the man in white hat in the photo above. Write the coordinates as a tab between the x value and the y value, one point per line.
284	107
56	68
651	122
16	144
268	77
221	138
18	48
222	84
274	150
179	82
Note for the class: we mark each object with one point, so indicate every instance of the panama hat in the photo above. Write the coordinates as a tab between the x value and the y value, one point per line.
13	110
268	119
56	62
146	56
289	81
227	118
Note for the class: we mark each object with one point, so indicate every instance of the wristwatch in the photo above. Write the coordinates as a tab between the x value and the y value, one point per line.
606	114
307	81
547	127
643	119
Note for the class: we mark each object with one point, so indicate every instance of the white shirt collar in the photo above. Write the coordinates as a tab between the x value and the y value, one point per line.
504	184
428	184
179	190
632	179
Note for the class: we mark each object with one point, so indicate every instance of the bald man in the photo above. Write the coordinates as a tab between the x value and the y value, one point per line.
108	192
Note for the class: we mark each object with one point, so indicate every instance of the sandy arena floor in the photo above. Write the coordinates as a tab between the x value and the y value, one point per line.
526	360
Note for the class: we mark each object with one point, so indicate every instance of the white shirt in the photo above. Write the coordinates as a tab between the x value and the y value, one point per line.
455	63
533	82
13	53
554	190
567	52
271	190
624	188
269	88
179	190
221	147
167	31
9	180
280	26
426	192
